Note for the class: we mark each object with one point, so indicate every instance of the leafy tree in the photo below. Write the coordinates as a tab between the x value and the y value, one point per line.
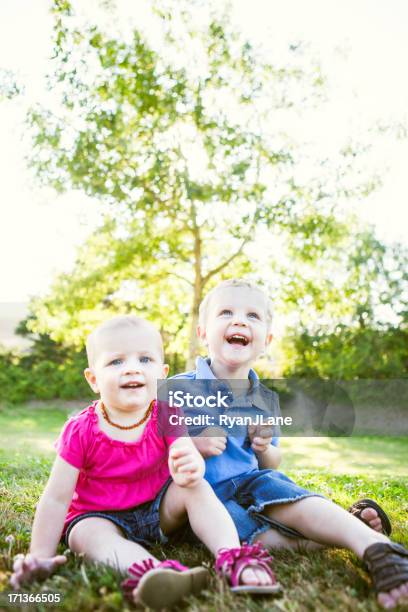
352	324
9	86
174	137
48	371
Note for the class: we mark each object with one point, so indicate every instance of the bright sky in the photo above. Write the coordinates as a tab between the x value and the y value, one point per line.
362	44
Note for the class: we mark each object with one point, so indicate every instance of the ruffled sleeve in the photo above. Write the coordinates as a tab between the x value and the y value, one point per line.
71	443
168	422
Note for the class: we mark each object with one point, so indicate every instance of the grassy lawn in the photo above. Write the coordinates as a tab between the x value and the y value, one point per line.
343	469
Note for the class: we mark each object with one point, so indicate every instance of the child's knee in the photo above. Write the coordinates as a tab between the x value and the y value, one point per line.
275	540
87	533
202	489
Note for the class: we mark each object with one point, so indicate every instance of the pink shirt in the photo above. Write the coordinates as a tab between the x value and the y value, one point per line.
114	475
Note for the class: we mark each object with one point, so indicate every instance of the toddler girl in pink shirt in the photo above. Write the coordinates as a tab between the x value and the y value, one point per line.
117	486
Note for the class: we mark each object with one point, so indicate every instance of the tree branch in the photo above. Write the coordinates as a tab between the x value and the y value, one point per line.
181	278
224	263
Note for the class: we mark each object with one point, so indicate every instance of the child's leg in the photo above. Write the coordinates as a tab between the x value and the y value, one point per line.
323	521
253	528
272	539
102	541
151	584
207	515
209	520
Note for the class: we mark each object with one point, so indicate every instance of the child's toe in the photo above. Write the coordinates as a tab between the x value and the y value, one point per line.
385	600
369	514
398	595
371	518
260	576
249	576
394	597
376	524
266	579
402	595
404	590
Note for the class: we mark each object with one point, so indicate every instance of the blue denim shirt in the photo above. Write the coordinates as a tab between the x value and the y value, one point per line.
238	457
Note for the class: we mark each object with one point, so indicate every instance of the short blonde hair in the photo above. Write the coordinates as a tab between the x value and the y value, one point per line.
234	282
119	322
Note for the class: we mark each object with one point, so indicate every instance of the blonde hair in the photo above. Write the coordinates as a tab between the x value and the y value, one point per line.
234	282
121	321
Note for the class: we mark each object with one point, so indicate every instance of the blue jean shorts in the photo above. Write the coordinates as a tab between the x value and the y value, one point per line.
247	495
140	524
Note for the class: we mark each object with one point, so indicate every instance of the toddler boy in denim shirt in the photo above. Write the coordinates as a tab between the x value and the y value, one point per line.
265	505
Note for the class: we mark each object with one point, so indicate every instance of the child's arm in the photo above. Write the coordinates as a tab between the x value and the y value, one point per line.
210	445
269	457
47	527
186	465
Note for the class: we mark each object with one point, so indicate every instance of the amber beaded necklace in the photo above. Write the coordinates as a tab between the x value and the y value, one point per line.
137	424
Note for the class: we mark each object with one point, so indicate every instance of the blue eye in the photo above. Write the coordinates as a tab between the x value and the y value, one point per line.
115	362
253	315
145	359
226	312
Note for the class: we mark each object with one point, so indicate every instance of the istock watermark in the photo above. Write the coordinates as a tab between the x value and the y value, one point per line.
286	407
180	399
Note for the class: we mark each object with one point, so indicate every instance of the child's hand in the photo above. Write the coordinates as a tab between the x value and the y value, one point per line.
186	466
210	445
261	438
27	568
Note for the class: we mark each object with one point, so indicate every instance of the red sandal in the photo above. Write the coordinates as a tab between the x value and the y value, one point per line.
161	585
231	562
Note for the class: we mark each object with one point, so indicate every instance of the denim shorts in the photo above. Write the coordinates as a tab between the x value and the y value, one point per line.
247	495
140	524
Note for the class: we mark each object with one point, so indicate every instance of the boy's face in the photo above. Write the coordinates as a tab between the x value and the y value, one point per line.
236	329
127	364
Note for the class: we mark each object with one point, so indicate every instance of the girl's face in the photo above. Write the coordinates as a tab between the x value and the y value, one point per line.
127	366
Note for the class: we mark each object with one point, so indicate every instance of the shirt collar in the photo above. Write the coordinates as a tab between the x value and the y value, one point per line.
204	371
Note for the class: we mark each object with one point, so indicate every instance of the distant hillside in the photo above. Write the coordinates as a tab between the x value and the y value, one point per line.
11	313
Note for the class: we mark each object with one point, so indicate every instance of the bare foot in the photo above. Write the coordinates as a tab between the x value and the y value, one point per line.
372	519
247	569
255	576
394	598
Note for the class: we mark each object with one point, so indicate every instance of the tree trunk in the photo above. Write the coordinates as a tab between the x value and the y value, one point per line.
200	282
193	343
198	293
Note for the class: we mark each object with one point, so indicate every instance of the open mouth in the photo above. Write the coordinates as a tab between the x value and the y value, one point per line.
238	339
132	385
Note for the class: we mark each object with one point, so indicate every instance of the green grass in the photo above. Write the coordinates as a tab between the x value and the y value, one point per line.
343	469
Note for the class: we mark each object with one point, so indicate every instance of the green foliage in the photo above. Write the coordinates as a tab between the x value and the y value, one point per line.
183	184
351	322
349	353
9	85
176	131
49	370
22	378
